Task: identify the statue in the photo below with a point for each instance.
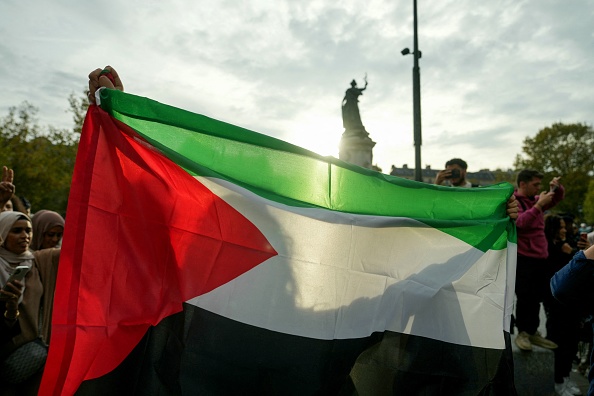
(355, 145)
(351, 118)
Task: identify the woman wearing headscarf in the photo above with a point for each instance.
(27, 304)
(563, 323)
(573, 285)
(48, 228)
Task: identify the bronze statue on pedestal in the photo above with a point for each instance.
(351, 117)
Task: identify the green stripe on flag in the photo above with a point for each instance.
(294, 176)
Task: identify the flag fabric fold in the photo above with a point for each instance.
(171, 209)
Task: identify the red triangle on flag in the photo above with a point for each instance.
(142, 236)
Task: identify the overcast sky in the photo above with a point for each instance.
(492, 72)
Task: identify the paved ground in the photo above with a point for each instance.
(534, 372)
(580, 380)
(538, 368)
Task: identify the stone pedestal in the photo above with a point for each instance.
(356, 147)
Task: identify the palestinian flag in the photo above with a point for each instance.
(204, 258)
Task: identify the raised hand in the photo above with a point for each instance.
(106, 77)
(554, 183)
(544, 199)
(6, 186)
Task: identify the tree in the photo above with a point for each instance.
(504, 176)
(78, 107)
(562, 150)
(589, 204)
(42, 158)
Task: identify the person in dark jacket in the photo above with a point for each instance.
(563, 323)
(573, 285)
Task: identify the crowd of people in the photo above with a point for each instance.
(547, 242)
(31, 245)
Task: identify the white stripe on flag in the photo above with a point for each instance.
(340, 276)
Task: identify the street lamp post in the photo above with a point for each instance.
(416, 96)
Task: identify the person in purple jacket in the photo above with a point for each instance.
(573, 285)
(531, 274)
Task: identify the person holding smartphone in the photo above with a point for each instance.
(26, 298)
(454, 174)
(532, 278)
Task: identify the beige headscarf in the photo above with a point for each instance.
(39, 286)
(43, 221)
(8, 259)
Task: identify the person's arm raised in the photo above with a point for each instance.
(7, 189)
(107, 77)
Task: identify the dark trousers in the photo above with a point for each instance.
(563, 328)
(532, 285)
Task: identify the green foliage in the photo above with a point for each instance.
(589, 204)
(78, 106)
(42, 158)
(504, 176)
(564, 150)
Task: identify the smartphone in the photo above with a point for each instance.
(584, 236)
(18, 274)
(454, 175)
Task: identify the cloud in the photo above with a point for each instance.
(491, 73)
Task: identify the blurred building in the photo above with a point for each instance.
(483, 177)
